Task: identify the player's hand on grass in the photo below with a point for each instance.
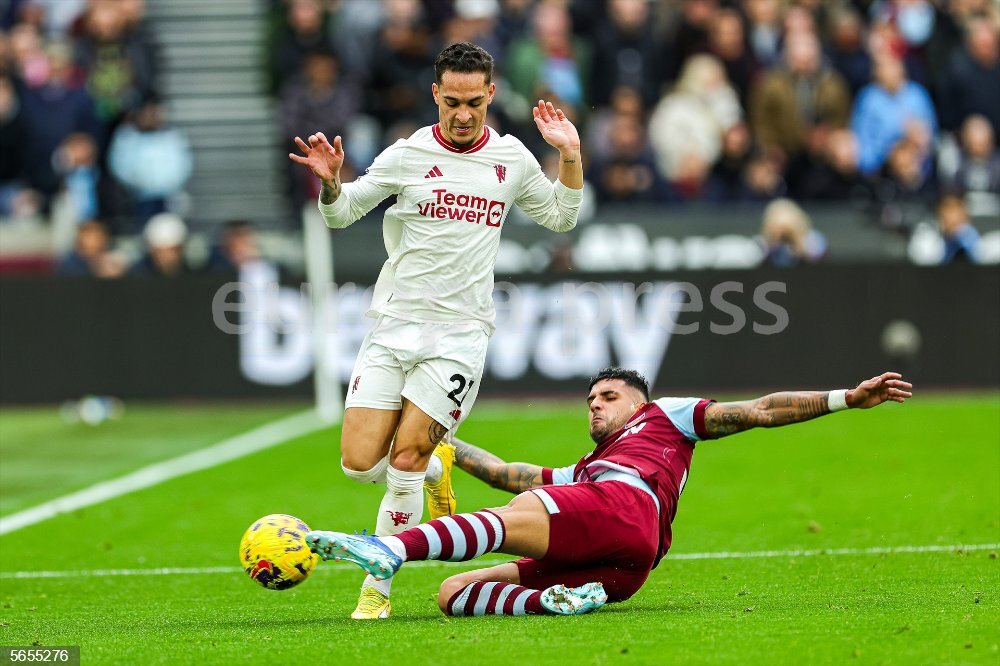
(875, 391)
(555, 127)
(322, 158)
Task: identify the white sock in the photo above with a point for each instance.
(395, 545)
(402, 507)
(434, 470)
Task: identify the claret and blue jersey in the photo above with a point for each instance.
(652, 452)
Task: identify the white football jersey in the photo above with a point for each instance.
(443, 232)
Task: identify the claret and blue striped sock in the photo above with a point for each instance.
(492, 598)
(457, 538)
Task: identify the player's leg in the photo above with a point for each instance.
(365, 439)
(372, 408)
(372, 415)
(520, 528)
(498, 591)
(444, 385)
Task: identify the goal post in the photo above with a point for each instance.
(318, 254)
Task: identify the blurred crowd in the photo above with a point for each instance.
(83, 131)
(890, 105)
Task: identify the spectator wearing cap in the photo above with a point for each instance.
(164, 235)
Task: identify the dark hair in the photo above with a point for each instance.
(630, 377)
(464, 57)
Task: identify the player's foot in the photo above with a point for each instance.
(562, 600)
(368, 552)
(440, 495)
(372, 605)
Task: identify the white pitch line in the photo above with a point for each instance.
(876, 550)
(233, 448)
(197, 571)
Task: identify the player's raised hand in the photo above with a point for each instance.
(322, 158)
(875, 391)
(555, 127)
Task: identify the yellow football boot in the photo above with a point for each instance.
(440, 495)
(372, 605)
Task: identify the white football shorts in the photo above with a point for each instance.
(438, 367)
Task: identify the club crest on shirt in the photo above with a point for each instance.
(501, 172)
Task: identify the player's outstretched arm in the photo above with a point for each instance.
(324, 160)
(778, 409)
(513, 477)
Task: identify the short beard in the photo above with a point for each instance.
(600, 434)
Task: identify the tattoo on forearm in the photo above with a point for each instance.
(330, 193)
(513, 477)
(777, 409)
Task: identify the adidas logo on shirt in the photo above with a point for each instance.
(434, 173)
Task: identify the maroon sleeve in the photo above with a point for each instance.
(546, 476)
(699, 419)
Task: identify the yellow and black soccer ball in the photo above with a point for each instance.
(274, 553)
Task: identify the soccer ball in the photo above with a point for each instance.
(274, 553)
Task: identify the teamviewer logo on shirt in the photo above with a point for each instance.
(467, 207)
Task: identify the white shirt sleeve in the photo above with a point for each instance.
(680, 411)
(550, 204)
(562, 475)
(380, 181)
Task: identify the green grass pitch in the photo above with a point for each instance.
(923, 474)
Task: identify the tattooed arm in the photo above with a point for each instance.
(512, 477)
(780, 409)
(330, 191)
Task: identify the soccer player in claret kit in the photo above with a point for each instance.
(590, 532)
(419, 370)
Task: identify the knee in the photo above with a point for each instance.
(449, 588)
(409, 459)
(363, 470)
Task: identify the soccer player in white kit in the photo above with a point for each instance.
(418, 371)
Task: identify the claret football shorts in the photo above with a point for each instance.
(605, 531)
(438, 367)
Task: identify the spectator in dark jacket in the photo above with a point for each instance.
(974, 80)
